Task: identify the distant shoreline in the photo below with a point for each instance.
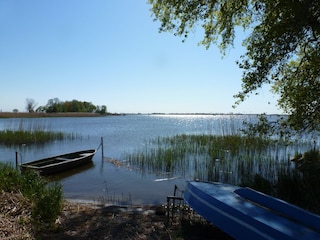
(86, 114)
(42, 115)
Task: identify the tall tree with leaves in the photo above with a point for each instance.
(282, 47)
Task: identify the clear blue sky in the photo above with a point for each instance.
(111, 53)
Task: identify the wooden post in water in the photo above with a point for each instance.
(17, 163)
(102, 150)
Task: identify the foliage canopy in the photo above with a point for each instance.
(54, 105)
(282, 47)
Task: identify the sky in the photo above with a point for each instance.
(111, 53)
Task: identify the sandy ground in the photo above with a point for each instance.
(89, 221)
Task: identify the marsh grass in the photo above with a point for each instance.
(301, 185)
(45, 198)
(261, 163)
(30, 133)
(9, 137)
(212, 158)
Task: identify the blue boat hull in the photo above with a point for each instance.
(247, 214)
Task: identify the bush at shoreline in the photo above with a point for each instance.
(45, 199)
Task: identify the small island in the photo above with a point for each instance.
(57, 108)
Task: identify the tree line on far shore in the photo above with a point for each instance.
(55, 105)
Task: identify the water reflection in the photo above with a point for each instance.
(70, 173)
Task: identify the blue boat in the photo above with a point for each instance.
(244, 213)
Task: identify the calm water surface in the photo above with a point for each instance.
(122, 134)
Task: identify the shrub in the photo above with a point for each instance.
(45, 198)
(48, 204)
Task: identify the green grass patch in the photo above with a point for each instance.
(46, 199)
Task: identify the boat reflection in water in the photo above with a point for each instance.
(71, 172)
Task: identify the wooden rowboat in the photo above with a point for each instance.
(60, 163)
(244, 213)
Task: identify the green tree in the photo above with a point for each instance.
(102, 109)
(53, 105)
(282, 47)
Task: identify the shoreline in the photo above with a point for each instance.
(80, 220)
(48, 115)
(84, 221)
(86, 114)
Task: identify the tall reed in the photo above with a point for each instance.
(208, 157)
(235, 159)
(31, 133)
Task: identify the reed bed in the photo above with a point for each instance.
(264, 164)
(230, 158)
(30, 133)
(9, 137)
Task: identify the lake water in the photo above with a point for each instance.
(103, 181)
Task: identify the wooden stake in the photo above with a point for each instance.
(17, 163)
(102, 150)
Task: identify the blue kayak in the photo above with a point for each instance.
(244, 213)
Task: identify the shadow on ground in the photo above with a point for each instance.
(80, 221)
